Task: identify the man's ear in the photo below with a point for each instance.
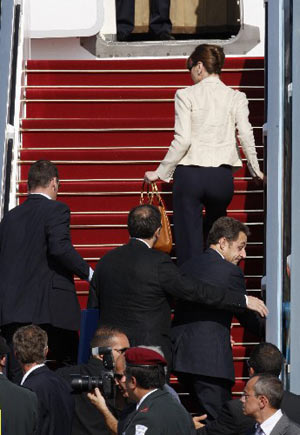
(263, 402)
(132, 382)
(222, 242)
(3, 360)
(46, 350)
(157, 232)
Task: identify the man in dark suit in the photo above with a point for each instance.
(202, 354)
(37, 263)
(265, 358)
(261, 400)
(19, 406)
(56, 404)
(87, 419)
(133, 286)
(160, 25)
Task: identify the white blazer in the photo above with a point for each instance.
(207, 116)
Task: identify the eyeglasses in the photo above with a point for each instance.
(120, 351)
(247, 395)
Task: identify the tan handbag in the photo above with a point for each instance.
(164, 242)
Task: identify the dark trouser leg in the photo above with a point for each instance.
(187, 209)
(63, 345)
(125, 16)
(210, 393)
(160, 17)
(219, 191)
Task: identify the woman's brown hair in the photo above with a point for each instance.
(212, 57)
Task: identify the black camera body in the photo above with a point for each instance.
(105, 381)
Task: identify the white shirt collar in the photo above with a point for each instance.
(268, 425)
(142, 240)
(39, 193)
(144, 397)
(30, 371)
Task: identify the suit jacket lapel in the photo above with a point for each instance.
(281, 426)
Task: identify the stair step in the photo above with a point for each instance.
(115, 93)
(93, 218)
(84, 72)
(102, 132)
(97, 186)
(51, 107)
(111, 90)
(135, 64)
(119, 201)
(108, 169)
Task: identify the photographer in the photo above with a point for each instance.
(153, 410)
(87, 420)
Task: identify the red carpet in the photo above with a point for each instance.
(104, 123)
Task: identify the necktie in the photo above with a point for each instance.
(258, 430)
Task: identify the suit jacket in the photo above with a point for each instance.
(56, 404)
(201, 334)
(19, 409)
(232, 420)
(160, 413)
(133, 287)
(87, 419)
(206, 117)
(285, 427)
(37, 263)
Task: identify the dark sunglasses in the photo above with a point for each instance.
(118, 376)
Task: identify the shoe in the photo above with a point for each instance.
(165, 36)
(123, 37)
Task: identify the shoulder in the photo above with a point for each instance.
(160, 401)
(58, 205)
(17, 390)
(185, 95)
(292, 428)
(240, 97)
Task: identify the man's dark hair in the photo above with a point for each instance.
(103, 336)
(143, 221)
(271, 387)
(266, 358)
(40, 174)
(147, 377)
(226, 227)
(30, 343)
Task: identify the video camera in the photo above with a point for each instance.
(105, 381)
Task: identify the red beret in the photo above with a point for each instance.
(140, 356)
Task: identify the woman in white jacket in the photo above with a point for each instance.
(204, 152)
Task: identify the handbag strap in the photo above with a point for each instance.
(151, 194)
(156, 193)
(146, 192)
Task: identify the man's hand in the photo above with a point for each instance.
(256, 304)
(197, 420)
(98, 400)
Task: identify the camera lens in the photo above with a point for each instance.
(86, 383)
